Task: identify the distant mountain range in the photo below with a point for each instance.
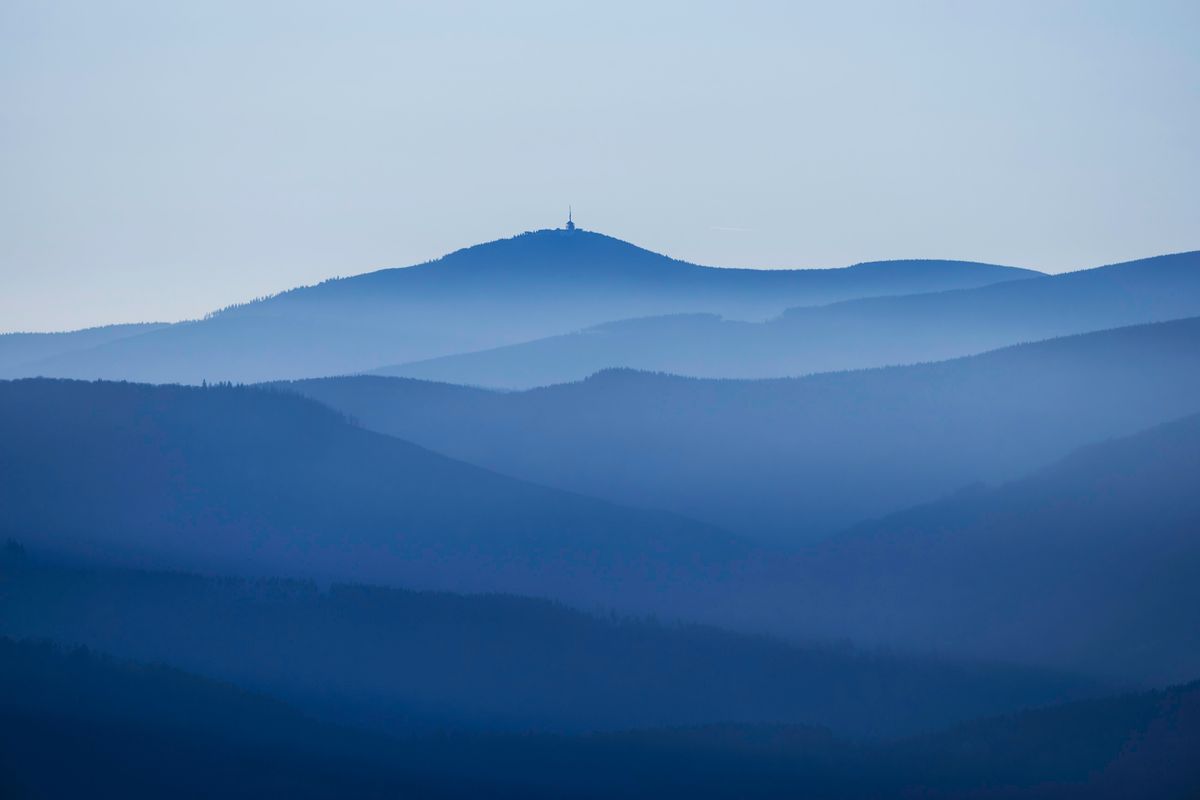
(791, 460)
(470, 528)
(1065, 566)
(852, 334)
(530, 286)
(19, 349)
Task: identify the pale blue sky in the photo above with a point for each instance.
(160, 159)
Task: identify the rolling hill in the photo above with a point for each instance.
(530, 286)
(853, 334)
(20, 349)
(253, 481)
(792, 460)
(403, 661)
(1087, 564)
(134, 731)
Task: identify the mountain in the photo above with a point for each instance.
(404, 661)
(20, 349)
(790, 460)
(75, 723)
(256, 481)
(533, 285)
(1091, 561)
(854, 334)
(1086, 565)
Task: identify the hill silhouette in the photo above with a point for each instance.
(20, 349)
(853, 334)
(405, 661)
(76, 723)
(791, 460)
(256, 481)
(530, 286)
(1087, 564)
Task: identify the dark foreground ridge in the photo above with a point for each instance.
(141, 732)
(400, 660)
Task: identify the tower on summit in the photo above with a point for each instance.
(570, 221)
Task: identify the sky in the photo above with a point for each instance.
(160, 160)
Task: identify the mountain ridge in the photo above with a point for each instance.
(1090, 557)
(21, 347)
(503, 292)
(396, 656)
(738, 453)
(103, 716)
(846, 334)
(254, 481)
(557, 240)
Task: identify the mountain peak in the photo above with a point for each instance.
(554, 249)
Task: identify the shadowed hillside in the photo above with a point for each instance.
(1062, 571)
(134, 731)
(791, 460)
(256, 481)
(402, 661)
(533, 285)
(1088, 564)
(851, 335)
